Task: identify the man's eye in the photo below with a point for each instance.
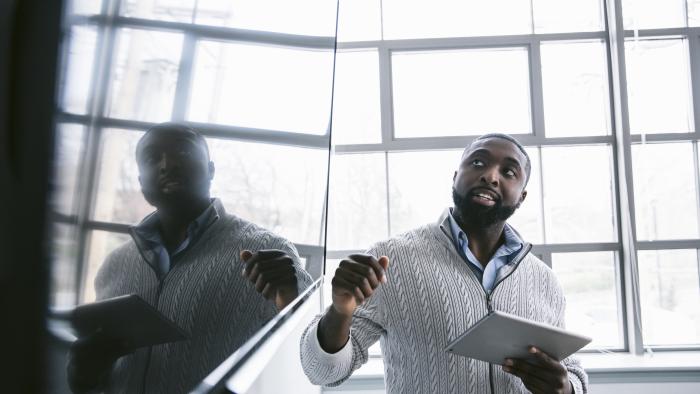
(477, 163)
(510, 173)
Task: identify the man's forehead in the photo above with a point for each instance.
(494, 146)
(160, 138)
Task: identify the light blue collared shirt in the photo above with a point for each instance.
(504, 253)
(148, 231)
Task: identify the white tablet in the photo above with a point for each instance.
(500, 335)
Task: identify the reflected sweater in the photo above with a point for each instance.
(204, 293)
(431, 297)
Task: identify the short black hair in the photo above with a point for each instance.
(508, 138)
(173, 127)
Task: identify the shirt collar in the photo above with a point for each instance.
(512, 243)
(148, 228)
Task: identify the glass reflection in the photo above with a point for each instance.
(217, 225)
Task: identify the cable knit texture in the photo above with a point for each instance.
(432, 297)
(204, 294)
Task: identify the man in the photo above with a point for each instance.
(198, 265)
(418, 291)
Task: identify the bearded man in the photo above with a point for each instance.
(442, 279)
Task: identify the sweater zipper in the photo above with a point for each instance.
(489, 305)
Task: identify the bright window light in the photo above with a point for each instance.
(575, 87)
(258, 86)
(559, 16)
(145, 75)
(589, 282)
(658, 86)
(577, 190)
(670, 297)
(665, 196)
(461, 92)
(454, 18)
(79, 65)
(356, 111)
(653, 14)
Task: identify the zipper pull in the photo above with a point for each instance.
(488, 303)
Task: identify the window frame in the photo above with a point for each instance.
(95, 119)
(620, 141)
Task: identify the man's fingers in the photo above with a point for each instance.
(254, 268)
(270, 289)
(274, 277)
(245, 255)
(343, 286)
(545, 358)
(531, 380)
(359, 281)
(365, 271)
(379, 266)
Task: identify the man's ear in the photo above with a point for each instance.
(522, 197)
(212, 170)
(454, 177)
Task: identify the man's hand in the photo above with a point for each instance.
(273, 274)
(355, 280)
(90, 360)
(543, 374)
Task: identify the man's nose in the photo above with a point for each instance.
(165, 162)
(490, 176)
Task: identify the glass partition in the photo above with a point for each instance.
(192, 165)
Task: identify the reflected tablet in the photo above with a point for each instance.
(500, 335)
(128, 318)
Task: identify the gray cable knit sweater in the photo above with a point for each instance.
(204, 293)
(431, 297)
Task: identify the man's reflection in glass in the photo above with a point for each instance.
(215, 275)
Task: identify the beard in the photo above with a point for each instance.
(185, 197)
(482, 216)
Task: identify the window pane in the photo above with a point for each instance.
(166, 10)
(556, 16)
(357, 216)
(578, 204)
(575, 88)
(102, 243)
(420, 187)
(658, 86)
(359, 20)
(77, 76)
(145, 75)
(86, 7)
(527, 220)
(670, 295)
(653, 14)
(119, 197)
(693, 13)
(304, 17)
(665, 198)
(589, 284)
(68, 155)
(433, 95)
(64, 263)
(259, 86)
(280, 188)
(455, 18)
(356, 112)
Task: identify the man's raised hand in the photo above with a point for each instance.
(273, 274)
(356, 279)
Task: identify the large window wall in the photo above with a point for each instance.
(603, 94)
(255, 78)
